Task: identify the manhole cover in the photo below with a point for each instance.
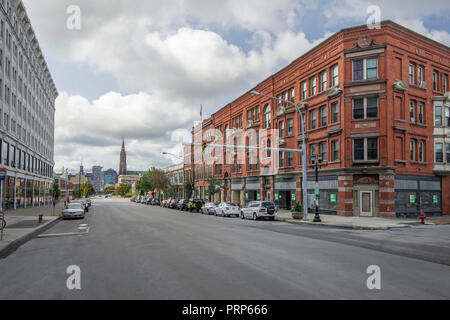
(25, 224)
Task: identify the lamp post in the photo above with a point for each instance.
(317, 159)
(303, 151)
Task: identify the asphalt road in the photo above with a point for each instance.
(134, 251)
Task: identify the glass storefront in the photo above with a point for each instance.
(20, 193)
(29, 193)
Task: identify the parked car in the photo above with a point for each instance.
(83, 203)
(173, 203)
(182, 204)
(209, 208)
(88, 201)
(133, 199)
(195, 204)
(226, 209)
(259, 209)
(73, 210)
(155, 202)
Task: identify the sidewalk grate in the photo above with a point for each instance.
(26, 224)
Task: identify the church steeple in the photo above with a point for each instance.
(123, 159)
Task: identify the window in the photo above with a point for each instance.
(281, 129)
(292, 95)
(420, 113)
(267, 116)
(313, 119)
(444, 82)
(438, 116)
(335, 75)
(281, 159)
(411, 73)
(323, 151)
(358, 70)
(365, 108)
(447, 116)
(411, 111)
(412, 149)
(335, 150)
(312, 152)
(435, 81)
(420, 75)
(365, 69)
(323, 81)
(365, 149)
(335, 112)
(447, 147)
(438, 153)
(291, 159)
(290, 123)
(421, 149)
(323, 116)
(313, 85)
(304, 92)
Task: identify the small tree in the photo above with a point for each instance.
(87, 189)
(123, 189)
(188, 189)
(213, 186)
(56, 190)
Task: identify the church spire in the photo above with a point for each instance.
(123, 159)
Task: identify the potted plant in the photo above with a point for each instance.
(297, 210)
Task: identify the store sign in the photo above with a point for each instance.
(242, 196)
(333, 197)
(2, 174)
(293, 197)
(258, 196)
(246, 195)
(435, 199)
(276, 196)
(412, 198)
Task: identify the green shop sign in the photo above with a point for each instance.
(333, 197)
(293, 197)
(412, 198)
(276, 196)
(435, 199)
(258, 196)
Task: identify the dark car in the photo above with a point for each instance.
(155, 202)
(195, 205)
(182, 204)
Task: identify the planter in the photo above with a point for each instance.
(297, 215)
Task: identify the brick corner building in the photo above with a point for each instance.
(377, 109)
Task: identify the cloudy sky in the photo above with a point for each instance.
(141, 69)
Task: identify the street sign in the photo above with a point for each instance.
(2, 174)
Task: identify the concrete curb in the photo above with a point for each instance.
(308, 223)
(15, 244)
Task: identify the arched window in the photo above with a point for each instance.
(267, 116)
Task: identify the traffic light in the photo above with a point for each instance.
(203, 145)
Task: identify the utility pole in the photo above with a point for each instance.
(316, 191)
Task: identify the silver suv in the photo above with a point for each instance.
(259, 209)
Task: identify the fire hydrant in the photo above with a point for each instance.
(422, 217)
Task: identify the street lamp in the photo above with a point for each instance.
(304, 172)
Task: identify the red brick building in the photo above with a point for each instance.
(377, 109)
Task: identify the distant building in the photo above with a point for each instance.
(175, 175)
(110, 177)
(97, 178)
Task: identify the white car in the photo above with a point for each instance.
(209, 208)
(259, 209)
(73, 210)
(226, 209)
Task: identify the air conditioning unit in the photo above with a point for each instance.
(423, 84)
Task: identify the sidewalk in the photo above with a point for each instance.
(363, 223)
(23, 224)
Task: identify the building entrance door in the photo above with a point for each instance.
(366, 203)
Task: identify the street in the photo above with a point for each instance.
(135, 251)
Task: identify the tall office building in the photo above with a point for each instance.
(97, 177)
(27, 111)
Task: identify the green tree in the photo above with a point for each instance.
(214, 185)
(188, 190)
(87, 189)
(56, 190)
(109, 190)
(123, 189)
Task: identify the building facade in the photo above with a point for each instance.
(27, 112)
(110, 177)
(175, 175)
(97, 178)
(376, 105)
